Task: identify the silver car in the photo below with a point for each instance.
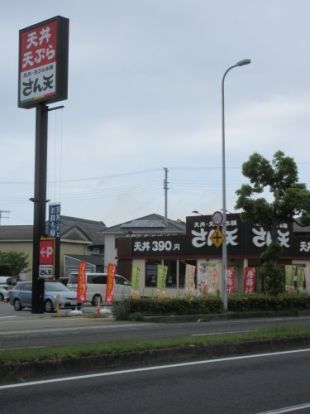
(21, 296)
(4, 293)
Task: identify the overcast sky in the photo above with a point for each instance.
(145, 93)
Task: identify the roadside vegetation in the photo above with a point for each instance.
(136, 345)
(137, 309)
(285, 200)
(12, 263)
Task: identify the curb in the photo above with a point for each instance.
(225, 316)
(20, 372)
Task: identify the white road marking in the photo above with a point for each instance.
(146, 369)
(7, 317)
(16, 348)
(71, 329)
(291, 409)
(223, 332)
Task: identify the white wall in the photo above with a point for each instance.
(110, 251)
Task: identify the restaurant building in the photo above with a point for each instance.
(196, 250)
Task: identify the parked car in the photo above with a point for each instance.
(96, 286)
(7, 280)
(64, 280)
(21, 296)
(4, 293)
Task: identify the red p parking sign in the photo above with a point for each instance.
(47, 251)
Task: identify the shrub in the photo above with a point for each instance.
(260, 302)
(167, 306)
(136, 316)
(121, 310)
(136, 309)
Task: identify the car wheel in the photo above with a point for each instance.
(17, 305)
(96, 300)
(1, 297)
(48, 306)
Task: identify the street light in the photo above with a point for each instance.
(224, 245)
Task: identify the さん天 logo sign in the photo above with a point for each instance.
(43, 62)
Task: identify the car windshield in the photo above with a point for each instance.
(73, 279)
(55, 287)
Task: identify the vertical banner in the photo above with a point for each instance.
(161, 276)
(230, 279)
(295, 278)
(249, 280)
(54, 220)
(135, 279)
(202, 277)
(300, 278)
(54, 231)
(208, 277)
(109, 293)
(190, 279)
(307, 279)
(81, 285)
(289, 278)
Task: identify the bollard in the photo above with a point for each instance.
(57, 303)
(98, 307)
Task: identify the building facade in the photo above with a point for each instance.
(78, 238)
(196, 247)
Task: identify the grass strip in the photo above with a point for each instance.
(121, 346)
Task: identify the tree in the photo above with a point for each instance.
(12, 263)
(289, 200)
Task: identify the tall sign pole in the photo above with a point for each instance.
(42, 79)
(39, 201)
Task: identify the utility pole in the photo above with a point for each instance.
(166, 193)
(2, 212)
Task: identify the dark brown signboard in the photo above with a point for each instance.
(43, 62)
(244, 239)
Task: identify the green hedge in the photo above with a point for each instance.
(255, 302)
(136, 308)
(167, 306)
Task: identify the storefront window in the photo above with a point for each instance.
(171, 281)
(175, 273)
(151, 273)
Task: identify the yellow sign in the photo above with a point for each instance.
(217, 237)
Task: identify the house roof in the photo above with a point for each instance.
(72, 228)
(16, 233)
(92, 259)
(150, 224)
(90, 228)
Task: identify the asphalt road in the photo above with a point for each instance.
(20, 329)
(244, 384)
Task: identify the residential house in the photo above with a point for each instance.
(79, 237)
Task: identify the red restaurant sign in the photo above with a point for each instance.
(43, 62)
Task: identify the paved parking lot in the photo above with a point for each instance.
(7, 310)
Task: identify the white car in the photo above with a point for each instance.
(4, 293)
(96, 287)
